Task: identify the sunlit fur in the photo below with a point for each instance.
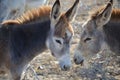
(35, 15)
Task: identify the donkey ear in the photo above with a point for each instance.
(72, 11)
(105, 15)
(56, 10)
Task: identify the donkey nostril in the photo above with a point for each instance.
(75, 60)
(66, 68)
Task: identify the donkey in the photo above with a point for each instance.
(19, 44)
(103, 27)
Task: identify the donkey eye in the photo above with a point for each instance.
(58, 41)
(87, 39)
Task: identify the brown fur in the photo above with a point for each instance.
(114, 17)
(95, 13)
(62, 26)
(37, 14)
(10, 22)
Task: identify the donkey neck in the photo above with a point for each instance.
(28, 40)
(112, 31)
(112, 35)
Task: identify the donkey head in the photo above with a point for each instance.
(92, 36)
(61, 33)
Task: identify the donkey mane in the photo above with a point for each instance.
(42, 13)
(114, 17)
(35, 15)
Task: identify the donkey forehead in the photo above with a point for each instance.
(89, 25)
(63, 28)
(90, 29)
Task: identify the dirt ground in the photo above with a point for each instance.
(45, 66)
